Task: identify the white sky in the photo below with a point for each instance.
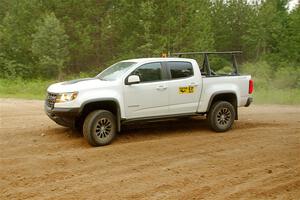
(292, 4)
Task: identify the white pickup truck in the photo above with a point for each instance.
(148, 89)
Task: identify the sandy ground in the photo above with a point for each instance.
(180, 159)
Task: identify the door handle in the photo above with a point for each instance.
(161, 87)
(193, 84)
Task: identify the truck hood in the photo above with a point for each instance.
(78, 85)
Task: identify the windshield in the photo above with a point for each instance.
(115, 71)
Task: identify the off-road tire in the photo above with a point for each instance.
(100, 128)
(221, 116)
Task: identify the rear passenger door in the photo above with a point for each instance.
(184, 88)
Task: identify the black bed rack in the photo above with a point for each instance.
(206, 65)
(206, 52)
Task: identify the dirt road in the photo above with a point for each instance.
(180, 159)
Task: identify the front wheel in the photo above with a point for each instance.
(99, 127)
(221, 116)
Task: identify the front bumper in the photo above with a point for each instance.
(249, 101)
(63, 116)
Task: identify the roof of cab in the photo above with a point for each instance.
(142, 60)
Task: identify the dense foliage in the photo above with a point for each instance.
(48, 38)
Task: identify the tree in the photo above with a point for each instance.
(290, 43)
(50, 46)
(198, 30)
(268, 29)
(232, 20)
(34, 43)
(147, 12)
(16, 28)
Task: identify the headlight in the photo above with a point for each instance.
(65, 97)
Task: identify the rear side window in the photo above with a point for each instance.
(180, 69)
(149, 72)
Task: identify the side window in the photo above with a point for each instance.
(149, 72)
(180, 69)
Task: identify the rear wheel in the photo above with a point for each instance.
(221, 116)
(99, 127)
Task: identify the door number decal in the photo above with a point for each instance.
(186, 90)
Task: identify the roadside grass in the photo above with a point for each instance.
(24, 89)
(277, 96)
(36, 89)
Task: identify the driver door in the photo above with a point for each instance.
(149, 97)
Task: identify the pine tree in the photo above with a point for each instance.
(146, 35)
(290, 42)
(16, 28)
(49, 45)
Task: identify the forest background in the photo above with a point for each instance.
(44, 41)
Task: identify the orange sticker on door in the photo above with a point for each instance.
(186, 90)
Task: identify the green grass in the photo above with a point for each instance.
(277, 96)
(36, 89)
(24, 89)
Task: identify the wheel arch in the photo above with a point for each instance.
(109, 104)
(229, 96)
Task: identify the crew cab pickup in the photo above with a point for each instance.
(148, 89)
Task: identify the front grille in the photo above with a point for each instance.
(50, 100)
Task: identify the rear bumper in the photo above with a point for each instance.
(63, 116)
(249, 101)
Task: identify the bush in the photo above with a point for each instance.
(288, 77)
(265, 78)
(261, 73)
(11, 69)
(218, 63)
(225, 70)
(281, 86)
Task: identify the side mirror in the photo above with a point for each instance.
(133, 79)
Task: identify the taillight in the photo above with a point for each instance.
(251, 86)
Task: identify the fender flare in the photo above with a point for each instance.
(118, 114)
(220, 93)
